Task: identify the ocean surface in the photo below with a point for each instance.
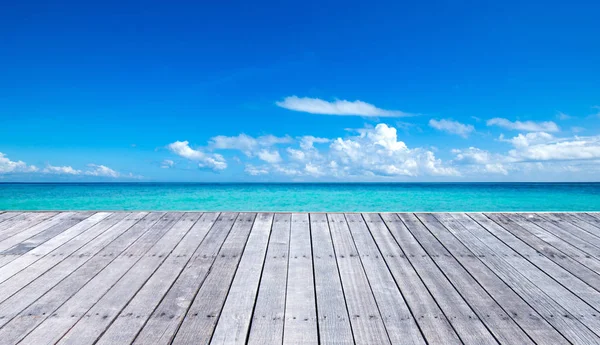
(331, 197)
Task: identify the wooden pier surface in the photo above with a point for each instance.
(299, 278)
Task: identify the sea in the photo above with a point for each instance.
(303, 197)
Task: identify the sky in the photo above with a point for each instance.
(276, 91)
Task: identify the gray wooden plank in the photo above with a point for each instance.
(572, 218)
(52, 329)
(62, 221)
(201, 318)
(398, 319)
(448, 247)
(55, 231)
(565, 231)
(508, 245)
(590, 218)
(545, 274)
(269, 310)
(94, 322)
(234, 322)
(8, 215)
(425, 247)
(334, 321)
(30, 306)
(424, 285)
(132, 318)
(164, 321)
(22, 222)
(564, 259)
(63, 241)
(517, 223)
(365, 317)
(568, 324)
(431, 320)
(13, 280)
(300, 323)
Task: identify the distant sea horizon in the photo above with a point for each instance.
(303, 196)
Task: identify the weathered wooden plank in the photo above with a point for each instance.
(397, 317)
(165, 320)
(52, 329)
(133, 317)
(13, 280)
(199, 324)
(422, 275)
(95, 321)
(590, 218)
(300, 325)
(517, 223)
(432, 322)
(508, 245)
(234, 322)
(499, 323)
(22, 222)
(269, 311)
(570, 218)
(546, 274)
(567, 232)
(334, 321)
(563, 259)
(63, 241)
(449, 247)
(8, 215)
(568, 324)
(62, 221)
(365, 317)
(65, 279)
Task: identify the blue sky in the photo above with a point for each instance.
(299, 91)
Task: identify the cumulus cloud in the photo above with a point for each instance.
(452, 127)
(256, 171)
(101, 170)
(9, 166)
(337, 107)
(210, 160)
(578, 148)
(373, 152)
(527, 126)
(167, 163)
(61, 170)
(480, 161)
(269, 156)
(247, 144)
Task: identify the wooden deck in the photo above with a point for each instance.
(280, 278)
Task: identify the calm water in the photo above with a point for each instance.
(305, 197)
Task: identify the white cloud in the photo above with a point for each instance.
(269, 156)
(61, 170)
(480, 161)
(524, 140)
(8, 166)
(255, 171)
(373, 152)
(183, 149)
(337, 107)
(577, 148)
(247, 144)
(452, 127)
(562, 116)
(528, 126)
(101, 170)
(167, 163)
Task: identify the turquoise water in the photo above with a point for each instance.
(304, 197)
